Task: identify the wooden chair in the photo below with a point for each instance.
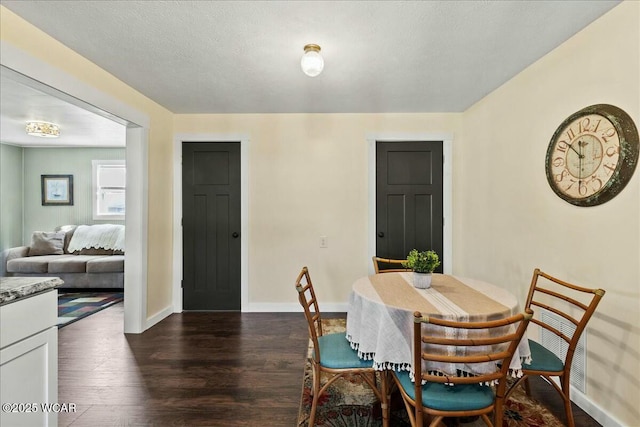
(332, 353)
(573, 303)
(460, 395)
(387, 265)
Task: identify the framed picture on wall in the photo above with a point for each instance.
(57, 190)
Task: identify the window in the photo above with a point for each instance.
(109, 188)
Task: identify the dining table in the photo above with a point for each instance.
(380, 316)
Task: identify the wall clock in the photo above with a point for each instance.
(592, 155)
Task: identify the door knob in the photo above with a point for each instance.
(235, 235)
(380, 234)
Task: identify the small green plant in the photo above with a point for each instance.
(422, 262)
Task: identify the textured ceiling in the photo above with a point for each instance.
(380, 56)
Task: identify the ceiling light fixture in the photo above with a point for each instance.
(312, 62)
(43, 129)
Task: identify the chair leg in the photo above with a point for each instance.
(488, 422)
(315, 394)
(497, 414)
(564, 380)
(435, 421)
(386, 398)
(411, 413)
(513, 386)
(527, 387)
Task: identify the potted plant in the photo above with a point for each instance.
(422, 263)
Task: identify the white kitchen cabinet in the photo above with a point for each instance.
(29, 360)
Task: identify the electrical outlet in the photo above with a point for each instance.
(324, 243)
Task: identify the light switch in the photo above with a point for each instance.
(324, 242)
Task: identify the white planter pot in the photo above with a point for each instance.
(421, 280)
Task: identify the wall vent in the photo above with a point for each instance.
(559, 346)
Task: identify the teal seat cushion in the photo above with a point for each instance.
(460, 397)
(336, 353)
(543, 359)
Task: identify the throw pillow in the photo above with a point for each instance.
(68, 230)
(46, 243)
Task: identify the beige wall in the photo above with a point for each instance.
(509, 221)
(308, 177)
(19, 33)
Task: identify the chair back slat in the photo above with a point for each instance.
(551, 329)
(388, 265)
(564, 297)
(480, 358)
(467, 325)
(488, 378)
(471, 342)
(556, 311)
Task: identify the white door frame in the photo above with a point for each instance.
(177, 212)
(72, 90)
(447, 189)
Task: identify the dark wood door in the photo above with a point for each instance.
(409, 198)
(211, 226)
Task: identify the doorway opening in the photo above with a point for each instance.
(59, 84)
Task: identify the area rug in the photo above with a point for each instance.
(349, 402)
(73, 306)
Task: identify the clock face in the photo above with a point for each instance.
(592, 155)
(585, 156)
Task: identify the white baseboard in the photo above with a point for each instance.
(590, 407)
(163, 314)
(595, 411)
(292, 308)
(261, 307)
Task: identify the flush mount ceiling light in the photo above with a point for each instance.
(312, 62)
(43, 129)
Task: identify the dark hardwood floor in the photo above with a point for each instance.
(195, 369)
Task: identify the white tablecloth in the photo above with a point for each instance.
(381, 307)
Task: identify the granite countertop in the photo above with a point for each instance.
(14, 288)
